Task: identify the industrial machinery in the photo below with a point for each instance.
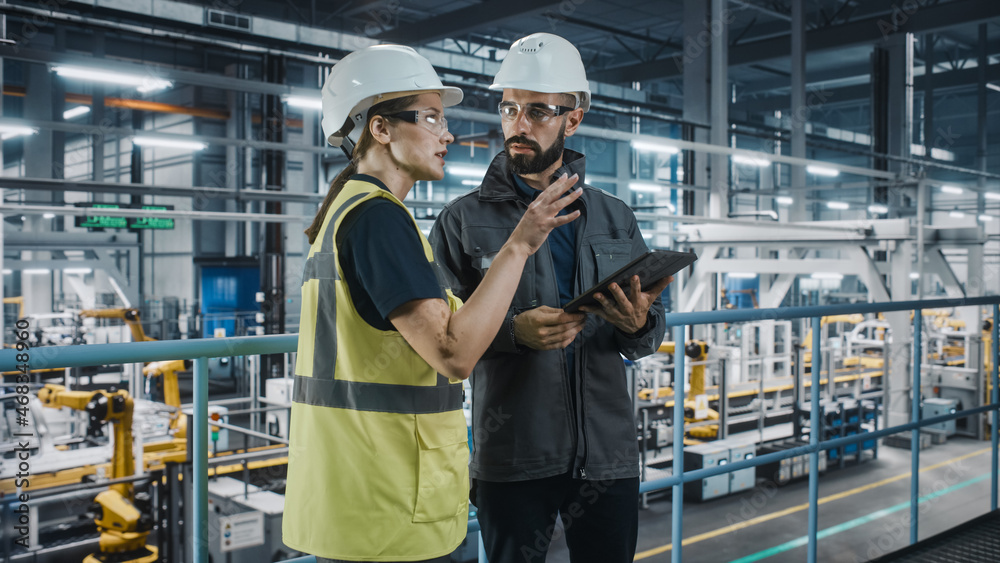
(121, 515)
(130, 316)
(167, 370)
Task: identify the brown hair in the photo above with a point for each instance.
(365, 143)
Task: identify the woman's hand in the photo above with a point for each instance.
(541, 216)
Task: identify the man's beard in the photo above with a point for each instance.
(538, 161)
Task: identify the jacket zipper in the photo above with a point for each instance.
(562, 356)
(580, 353)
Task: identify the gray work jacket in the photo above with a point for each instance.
(525, 423)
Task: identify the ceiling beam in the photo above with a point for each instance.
(869, 31)
(941, 81)
(457, 23)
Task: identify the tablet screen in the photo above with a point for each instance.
(650, 267)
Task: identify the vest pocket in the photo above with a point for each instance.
(442, 473)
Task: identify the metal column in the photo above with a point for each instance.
(918, 323)
(995, 398)
(719, 29)
(677, 465)
(273, 246)
(199, 486)
(814, 424)
(800, 111)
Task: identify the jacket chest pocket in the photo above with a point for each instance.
(610, 256)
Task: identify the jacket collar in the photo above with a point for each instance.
(498, 184)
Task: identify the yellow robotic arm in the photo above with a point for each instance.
(130, 316)
(171, 391)
(123, 525)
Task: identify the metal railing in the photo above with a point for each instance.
(202, 350)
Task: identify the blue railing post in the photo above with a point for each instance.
(677, 465)
(814, 424)
(199, 485)
(918, 324)
(995, 398)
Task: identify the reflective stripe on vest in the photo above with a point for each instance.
(378, 397)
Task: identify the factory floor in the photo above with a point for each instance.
(864, 511)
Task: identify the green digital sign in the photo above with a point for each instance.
(101, 221)
(93, 220)
(151, 222)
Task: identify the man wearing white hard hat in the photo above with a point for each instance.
(553, 432)
(377, 453)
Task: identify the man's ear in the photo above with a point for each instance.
(379, 128)
(573, 120)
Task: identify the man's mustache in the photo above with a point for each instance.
(519, 140)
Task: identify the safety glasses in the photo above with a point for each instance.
(428, 119)
(536, 112)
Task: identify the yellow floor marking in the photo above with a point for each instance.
(791, 510)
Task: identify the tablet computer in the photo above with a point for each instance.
(650, 267)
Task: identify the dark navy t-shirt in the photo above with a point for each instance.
(562, 247)
(383, 259)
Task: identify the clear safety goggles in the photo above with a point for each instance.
(536, 112)
(428, 119)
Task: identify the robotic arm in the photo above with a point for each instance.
(122, 517)
(130, 316)
(171, 392)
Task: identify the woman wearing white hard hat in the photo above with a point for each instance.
(377, 467)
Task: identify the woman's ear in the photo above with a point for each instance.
(379, 128)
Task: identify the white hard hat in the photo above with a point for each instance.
(542, 62)
(372, 75)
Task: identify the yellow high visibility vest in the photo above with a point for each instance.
(378, 454)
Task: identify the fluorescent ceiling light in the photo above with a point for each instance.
(11, 131)
(304, 102)
(471, 182)
(823, 171)
(784, 200)
(144, 84)
(956, 214)
(842, 206)
(73, 113)
(992, 195)
(77, 270)
(751, 160)
(48, 216)
(7, 271)
(914, 276)
(466, 171)
(993, 86)
(827, 276)
(647, 236)
(169, 143)
(742, 275)
(985, 218)
(35, 271)
(654, 147)
(952, 190)
(876, 208)
(645, 187)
